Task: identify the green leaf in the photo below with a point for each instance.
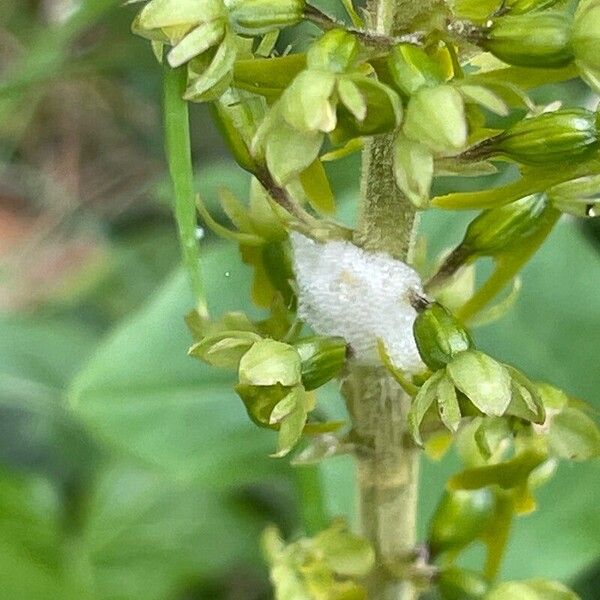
(534, 589)
(224, 349)
(483, 380)
(509, 474)
(484, 97)
(270, 363)
(573, 435)
(289, 152)
(142, 394)
(293, 423)
(316, 186)
(144, 535)
(421, 404)
(30, 540)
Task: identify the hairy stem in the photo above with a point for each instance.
(388, 472)
(388, 465)
(179, 154)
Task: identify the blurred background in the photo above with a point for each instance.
(159, 488)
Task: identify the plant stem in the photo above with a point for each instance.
(388, 472)
(179, 154)
(312, 500)
(388, 465)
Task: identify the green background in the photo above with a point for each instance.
(127, 469)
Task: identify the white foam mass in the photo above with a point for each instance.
(361, 296)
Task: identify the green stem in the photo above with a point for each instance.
(388, 465)
(312, 501)
(179, 154)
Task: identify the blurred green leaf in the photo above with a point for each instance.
(142, 394)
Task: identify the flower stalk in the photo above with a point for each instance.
(179, 155)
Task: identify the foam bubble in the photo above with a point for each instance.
(358, 295)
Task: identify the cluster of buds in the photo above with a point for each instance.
(464, 380)
(559, 37)
(204, 35)
(275, 379)
(328, 566)
(332, 96)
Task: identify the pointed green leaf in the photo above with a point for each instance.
(292, 425)
(421, 404)
(485, 97)
(196, 42)
(316, 185)
(352, 98)
(224, 349)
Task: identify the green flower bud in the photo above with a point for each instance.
(460, 518)
(554, 137)
(460, 584)
(440, 336)
(578, 197)
(436, 117)
(496, 230)
(530, 40)
(411, 68)
(585, 39)
(519, 7)
(322, 359)
(257, 17)
(336, 52)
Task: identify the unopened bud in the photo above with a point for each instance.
(335, 51)
(322, 359)
(585, 41)
(553, 137)
(497, 229)
(411, 68)
(439, 336)
(539, 39)
(257, 17)
(578, 197)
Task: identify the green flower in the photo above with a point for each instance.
(465, 380)
(191, 27)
